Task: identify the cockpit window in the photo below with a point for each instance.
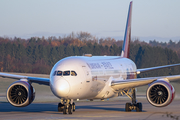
(73, 73)
(55, 73)
(59, 73)
(66, 73)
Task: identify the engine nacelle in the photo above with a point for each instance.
(20, 94)
(160, 93)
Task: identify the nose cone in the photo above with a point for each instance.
(60, 87)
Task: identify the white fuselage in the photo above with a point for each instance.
(82, 77)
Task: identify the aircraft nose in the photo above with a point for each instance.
(62, 87)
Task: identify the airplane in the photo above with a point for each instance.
(95, 77)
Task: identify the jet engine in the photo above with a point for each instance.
(160, 93)
(20, 94)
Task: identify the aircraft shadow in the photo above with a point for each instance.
(52, 107)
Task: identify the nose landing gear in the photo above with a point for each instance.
(66, 106)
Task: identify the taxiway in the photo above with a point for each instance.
(111, 109)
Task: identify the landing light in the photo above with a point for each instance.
(88, 55)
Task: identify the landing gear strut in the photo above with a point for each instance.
(66, 106)
(134, 105)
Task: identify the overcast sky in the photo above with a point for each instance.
(151, 19)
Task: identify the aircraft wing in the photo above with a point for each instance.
(131, 83)
(44, 81)
(155, 68)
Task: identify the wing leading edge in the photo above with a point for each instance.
(155, 68)
(131, 83)
(43, 81)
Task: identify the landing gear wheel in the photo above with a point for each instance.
(67, 106)
(139, 107)
(73, 107)
(127, 107)
(131, 93)
(70, 109)
(65, 110)
(60, 107)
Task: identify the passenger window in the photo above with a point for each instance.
(73, 73)
(59, 73)
(66, 73)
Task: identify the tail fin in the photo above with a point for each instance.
(127, 35)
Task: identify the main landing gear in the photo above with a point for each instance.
(66, 106)
(132, 106)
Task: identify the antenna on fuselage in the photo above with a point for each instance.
(127, 35)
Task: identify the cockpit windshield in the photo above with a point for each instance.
(55, 72)
(65, 73)
(59, 73)
(73, 73)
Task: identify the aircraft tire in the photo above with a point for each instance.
(139, 107)
(65, 110)
(127, 107)
(73, 107)
(70, 109)
(60, 107)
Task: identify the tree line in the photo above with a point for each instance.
(175, 46)
(38, 55)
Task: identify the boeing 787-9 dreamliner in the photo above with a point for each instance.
(95, 77)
